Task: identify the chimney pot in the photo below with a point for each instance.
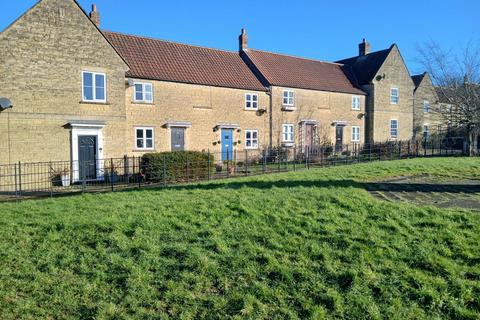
(364, 48)
(243, 40)
(94, 15)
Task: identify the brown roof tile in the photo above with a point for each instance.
(294, 72)
(168, 61)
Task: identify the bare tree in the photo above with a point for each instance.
(456, 77)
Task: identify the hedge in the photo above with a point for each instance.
(176, 165)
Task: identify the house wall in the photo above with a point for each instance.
(42, 56)
(433, 118)
(393, 73)
(322, 106)
(204, 106)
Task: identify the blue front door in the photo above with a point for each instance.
(227, 144)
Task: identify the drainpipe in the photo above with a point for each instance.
(270, 118)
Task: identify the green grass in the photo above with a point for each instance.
(299, 245)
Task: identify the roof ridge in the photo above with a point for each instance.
(356, 57)
(296, 57)
(167, 41)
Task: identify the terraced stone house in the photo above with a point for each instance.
(81, 93)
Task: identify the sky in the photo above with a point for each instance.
(322, 29)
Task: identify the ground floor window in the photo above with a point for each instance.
(355, 133)
(393, 129)
(251, 139)
(144, 138)
(287, 133)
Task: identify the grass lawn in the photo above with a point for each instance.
(299, 245)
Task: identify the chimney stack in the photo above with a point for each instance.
(95, 16)
(364, 48)
(243, 40)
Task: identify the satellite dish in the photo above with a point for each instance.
(5, 104)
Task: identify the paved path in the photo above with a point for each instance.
(424, 190)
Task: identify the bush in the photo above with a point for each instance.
(177, 166)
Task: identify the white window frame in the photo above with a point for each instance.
(253, 103)
(94, 91)
(252, 146)
(394, 98)
(143, 84)
(391, 129)
(285, 133)
(144, 138)
(426, 104)
(355, 135)
(290, 98)
(356, 103)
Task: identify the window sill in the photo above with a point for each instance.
(251, 148)
(251, 109)
(143, 150)
(143, 103)
(288, 108)
(106, 103)
(288, 144)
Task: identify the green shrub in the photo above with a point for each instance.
(176, 166)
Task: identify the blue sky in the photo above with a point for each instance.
(325, 30)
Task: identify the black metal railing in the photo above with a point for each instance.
(26, 180)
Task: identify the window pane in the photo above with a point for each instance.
(249, 135)
(149, 143)
(248, 97)
(100, 81)
(138, 96)
(139, 133)
(148, 96)
(88, 79)
(249, 105)
(255, 97)
(255, 134)
(140, 143)
(99, 93)
(88, 93)
(148, 88)
(149, 133)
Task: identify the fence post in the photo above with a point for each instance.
(306, 157)
(295, 158)
(126, 169)
(228, 167)
(164, 171)
(400, 150)
(246, 162)
(187, 167)
(209, 165)
(111, 172)
(370, 151)
(16, 181)
(278, 159)
(139, 172)
(19, 179)
(264, 166)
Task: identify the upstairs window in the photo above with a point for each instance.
(94, 88)
(394, 96)
(287, 133)
(426, 106)
(355, 103)
(144, 138)
(288, 98)
(251, 139)
(355, 134)
(143, 92)
(251, 101)
(394, 129)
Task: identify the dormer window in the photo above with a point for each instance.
(93, 87)
(143, 92)
(394, 96)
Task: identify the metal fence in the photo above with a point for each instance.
(43, 179)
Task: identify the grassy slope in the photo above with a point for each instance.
(295, 245)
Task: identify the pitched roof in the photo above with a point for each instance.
(417, 79)
(366, 67)
(169, 61)
(294, 72)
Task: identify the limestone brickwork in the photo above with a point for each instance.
(325, 108)
(392, 74)
(433, 118)
(42, 56)
(204, 107)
